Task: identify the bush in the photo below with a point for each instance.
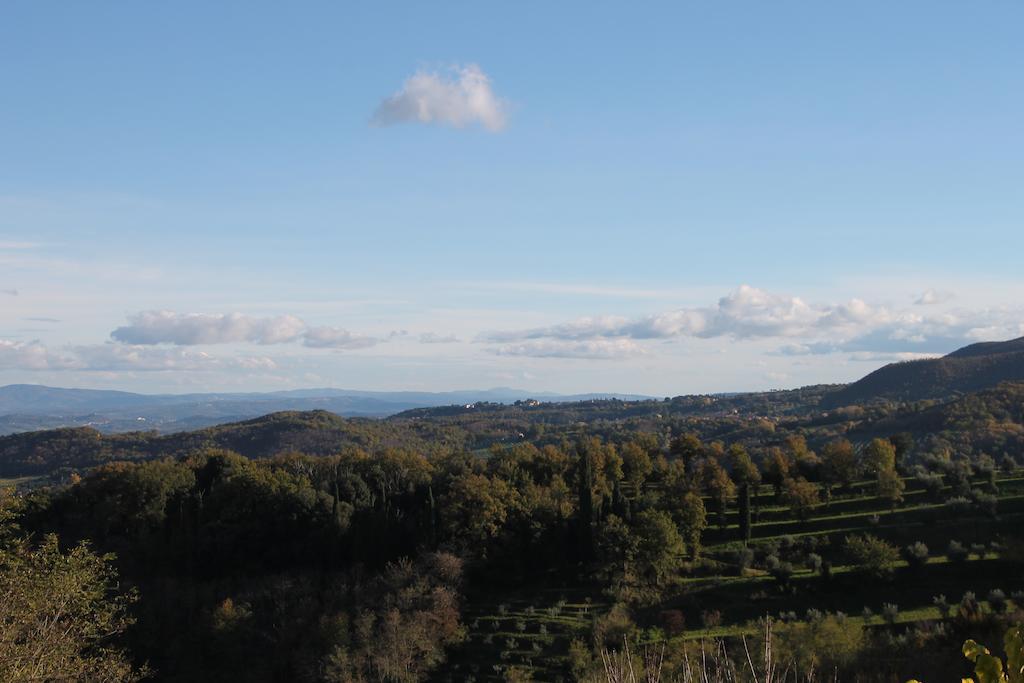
(916, 555)
(871, 555)
(711, 618)
(821, 645)
(814, 562)
(673, 621)
(943, 605)
(890, 612)
(956, 552)
(969, 609)
(997, 601)
(782, 574)
(744, 558)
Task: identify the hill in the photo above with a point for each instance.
(314, 433)
(972, 368)
(28, 407)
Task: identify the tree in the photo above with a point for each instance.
(880, 459)
(801, 496)
(890, 487)
(776, 469)
(659, 549)
(693, 519)
(60, 614)
(871, 555)
(838, 464)
(636, 466)
(747, 476)
(719, 486)
(879, 455)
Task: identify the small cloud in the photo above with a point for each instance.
(459, 98)
(42, 320)
(932, 297)
(432, 338)
(335, 338)
(601, 349)
(9, 292)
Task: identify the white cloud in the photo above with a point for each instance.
(931, 297)
(335, 338)
(193, 329)
(185, 329)
(433, 338)
(459, 98)
(37, 356)
(598, 349)
(750, 314)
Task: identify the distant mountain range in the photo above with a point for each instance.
(972, 368)
(28, 407)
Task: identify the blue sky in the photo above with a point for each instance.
(660, 198)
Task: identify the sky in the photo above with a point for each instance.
(656, 198)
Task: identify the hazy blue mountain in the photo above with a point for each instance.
(26, 407)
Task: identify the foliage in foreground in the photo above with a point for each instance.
(59, 614)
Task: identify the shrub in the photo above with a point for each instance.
(997, 601)
(871, 555)
(711, 618)
(744, 558)
(969, 609)
(979, 550)
(943, 605)
(958, 506)
(673, 621)
(782, 574)
(867, 613)
(890, 612)
(821, 645)
(814, 562)
(916, 555)
(521, 625)
(956, 552)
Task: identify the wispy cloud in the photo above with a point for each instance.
(460, 97)
(36, 356)
(932, 297)
(335, 338)
(595, 349)
(433, 338)
(195, 329)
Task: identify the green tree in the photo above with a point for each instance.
(871, 555)
(747, 477)
(692, 518)
(719, 486)
(60, 613)
(659, 549)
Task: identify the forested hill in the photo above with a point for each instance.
(313, 433)
(972, 368)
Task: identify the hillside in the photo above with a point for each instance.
(972, 368)
(29, 407)
(313, 433)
